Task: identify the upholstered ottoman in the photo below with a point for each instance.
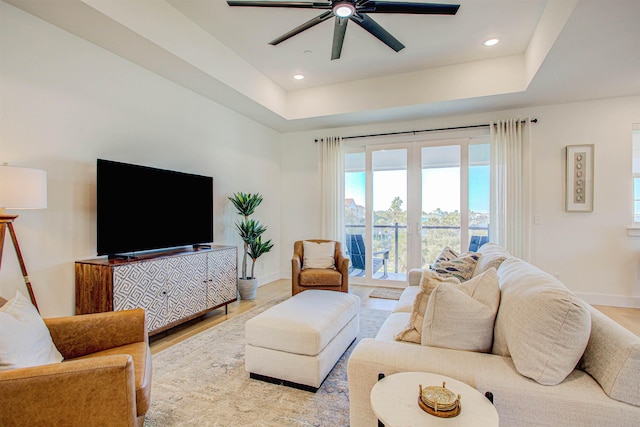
(298, 341)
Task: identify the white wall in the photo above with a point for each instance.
(66, 102)
(590, 252)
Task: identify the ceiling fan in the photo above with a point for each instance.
(356, 11)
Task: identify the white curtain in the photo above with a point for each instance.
(510, 185)
(332, 188)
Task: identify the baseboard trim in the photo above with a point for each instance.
(610, 300)
(265, 280)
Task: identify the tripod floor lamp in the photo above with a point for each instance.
(20, 188)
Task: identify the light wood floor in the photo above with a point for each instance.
(627, 317)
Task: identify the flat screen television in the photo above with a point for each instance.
(140, 208)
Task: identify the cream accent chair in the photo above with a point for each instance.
(104, 380)
(319, 278)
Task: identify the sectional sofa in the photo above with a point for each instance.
(553, 360)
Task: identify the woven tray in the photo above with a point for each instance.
(439, 401)
(442, 414)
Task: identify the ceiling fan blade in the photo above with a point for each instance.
(312, 22)
(296, 4)
(374, 28)
(409, 8)
(339, 31)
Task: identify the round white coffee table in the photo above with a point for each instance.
(394, 400)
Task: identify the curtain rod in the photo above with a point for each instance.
(424, 130)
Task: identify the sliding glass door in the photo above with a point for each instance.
(355, 211)
(406, 201)
(479, 186)
(376, 213)
(389, 213)
(441, 201)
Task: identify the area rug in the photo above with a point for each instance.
(202, 382)
(386, 293)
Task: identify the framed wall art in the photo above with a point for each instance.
(579, 192)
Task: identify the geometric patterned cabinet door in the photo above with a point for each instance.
(142, 284)
(222, 277)
(186, 289)
(172, 287)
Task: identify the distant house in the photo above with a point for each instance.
(354, 213)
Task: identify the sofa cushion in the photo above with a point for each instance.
(413, 330)
(392, 324)
(318, 254)
(461, 267)
(540, 323)
(492, 256)
(576, 402)
(24, 338)
(612, 358)
(407, 298)
(320, 277)
(461, 317)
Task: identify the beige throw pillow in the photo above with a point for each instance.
(429, 281)
(540, 323)
(462, 317)
(492, 256)
(461, 267)
(24, 338)
(318, 254)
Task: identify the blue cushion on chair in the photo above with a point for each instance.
(476, 242)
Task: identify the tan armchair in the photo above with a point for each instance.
(105, 379)
(319, 278)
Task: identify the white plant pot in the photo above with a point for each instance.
(247, 288)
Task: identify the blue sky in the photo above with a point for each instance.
(442, 188)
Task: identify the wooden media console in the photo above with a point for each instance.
(173, 287)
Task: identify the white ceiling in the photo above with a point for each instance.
(551, 51)
(430, 40)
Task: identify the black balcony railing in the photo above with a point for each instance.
(380, 233)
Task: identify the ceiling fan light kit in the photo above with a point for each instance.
(352, 10)
(343, 9)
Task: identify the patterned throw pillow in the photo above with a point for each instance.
(461, 267)
(447, 254)
(428, 282)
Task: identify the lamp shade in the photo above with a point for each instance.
(22, 188)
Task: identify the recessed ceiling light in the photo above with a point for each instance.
(298, 76)
(491, 42)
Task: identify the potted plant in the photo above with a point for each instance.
(250, 232)
(256, 249)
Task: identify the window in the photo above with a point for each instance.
(636, 172)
